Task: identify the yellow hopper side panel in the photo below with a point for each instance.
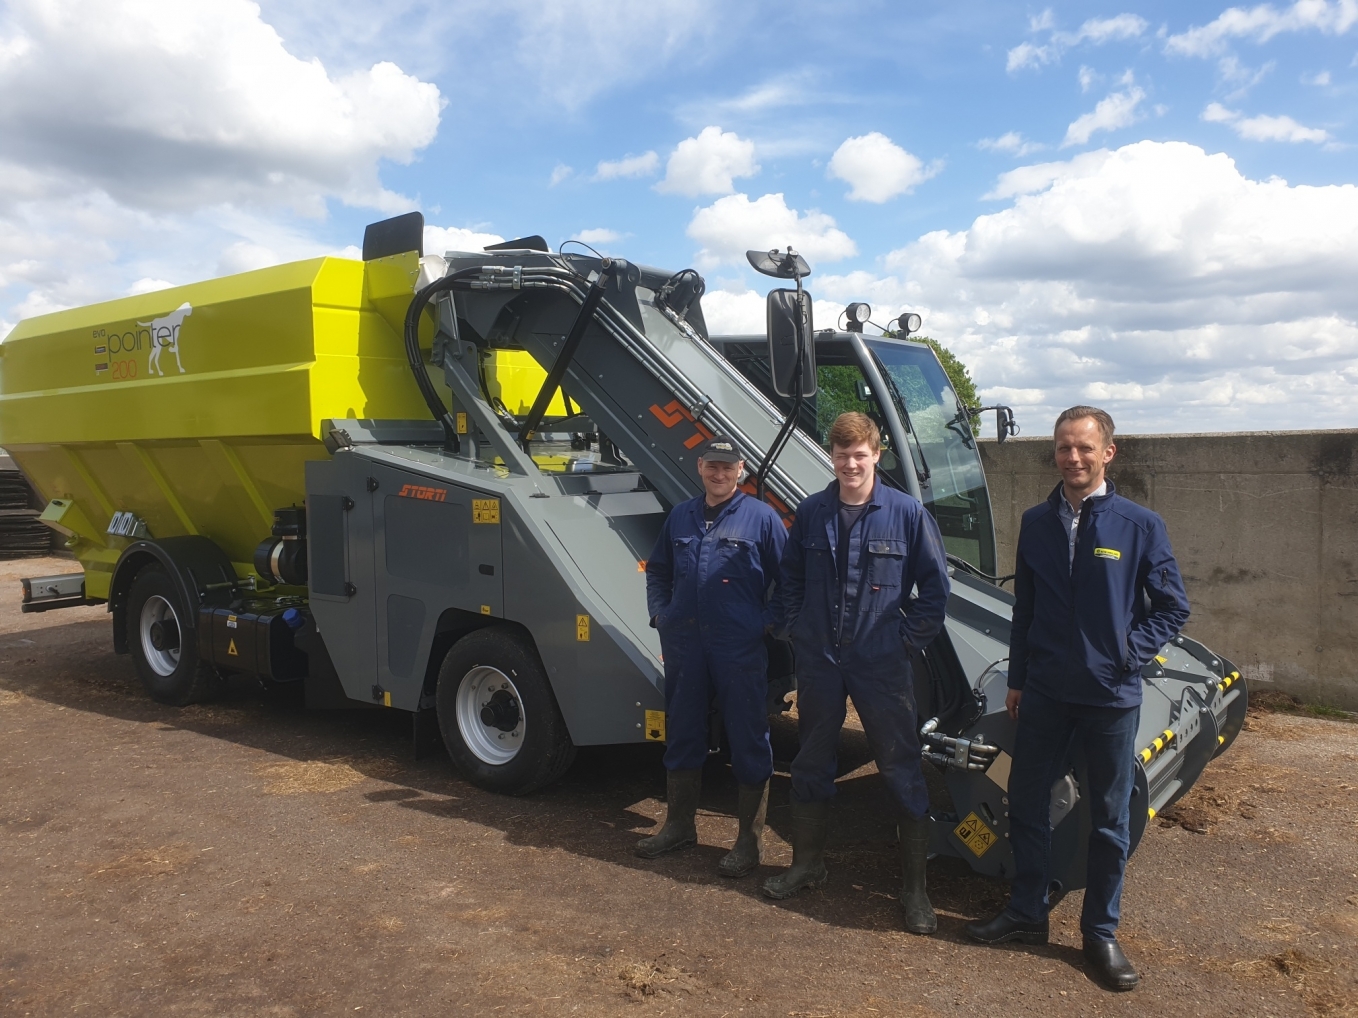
(197, 407)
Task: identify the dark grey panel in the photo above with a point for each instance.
(427, 541)
(328, 558)
(405, 622)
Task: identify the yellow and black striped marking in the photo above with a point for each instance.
(1157, 747)
(1228, 681)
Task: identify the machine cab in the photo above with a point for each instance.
(926, 433)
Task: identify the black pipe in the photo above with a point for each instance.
(417, 367)
(563, 359)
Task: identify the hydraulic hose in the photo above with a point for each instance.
(417, 367)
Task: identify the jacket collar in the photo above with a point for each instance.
(832, 490)
(1097, 503)
(701, 501)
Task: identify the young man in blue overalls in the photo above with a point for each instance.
(853, 556)
(709, 582)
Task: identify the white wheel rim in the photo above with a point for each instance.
(157, 609)
(488, 743)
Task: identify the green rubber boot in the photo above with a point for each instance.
(919, 913)
(810, 828)
(748, 851)
(681, 797)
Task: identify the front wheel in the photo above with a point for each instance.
(498, 716)
(164, 653)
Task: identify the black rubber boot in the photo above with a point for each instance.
(681, 797)
(748, 851)
(919, 913)
(1109, 966)
(810, 828)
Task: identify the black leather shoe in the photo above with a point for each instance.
(1106, 963)
(1005, 927)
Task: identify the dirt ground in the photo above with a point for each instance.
(250, 858)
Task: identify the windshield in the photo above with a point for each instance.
(943, 447)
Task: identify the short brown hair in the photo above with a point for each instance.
(1076, 413)
(853, 427)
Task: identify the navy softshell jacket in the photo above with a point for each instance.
(894, 546)
(1082, 632)
(718, 577)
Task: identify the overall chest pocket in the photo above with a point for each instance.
(736, 559)
(685, 552)
(886, 562)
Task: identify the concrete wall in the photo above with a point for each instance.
(1265, 528)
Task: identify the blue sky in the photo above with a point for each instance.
(1148, 206)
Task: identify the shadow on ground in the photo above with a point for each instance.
(611, 796)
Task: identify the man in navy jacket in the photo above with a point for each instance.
(709, 586)
(853, 556)
(1088, 564)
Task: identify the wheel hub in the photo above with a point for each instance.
(164, 634)
(501, 711)
(159, 630)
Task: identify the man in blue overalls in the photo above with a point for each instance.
(709, 584)
(853, 556)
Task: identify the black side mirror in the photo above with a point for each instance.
(1005, 425)
(789, 312)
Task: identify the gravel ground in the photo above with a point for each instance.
(250, 858)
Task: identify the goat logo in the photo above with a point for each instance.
(165, 336)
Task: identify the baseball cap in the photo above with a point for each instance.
(720, 450)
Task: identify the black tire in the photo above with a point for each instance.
(525, 745)
(171, 672)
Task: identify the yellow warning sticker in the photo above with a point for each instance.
(461, 424)
(231, 622)
(386, 698)
(582, 628)
(485, 609)
(231, 649)
(973, 833)
(1111, 553)
(485, 510)
(655, 726)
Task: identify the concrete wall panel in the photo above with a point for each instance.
(1265, 527)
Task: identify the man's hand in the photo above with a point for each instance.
(1011, 702)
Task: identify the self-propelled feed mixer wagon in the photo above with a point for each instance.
(431, 484)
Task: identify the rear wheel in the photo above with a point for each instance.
(498, 716)
(163, 652)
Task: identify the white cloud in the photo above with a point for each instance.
(1012, 143)
(1320, 79)
(151, 141)
(877, 169)
(1096, 31)
(560, 172)
(1156, 279)
(1114, 111)
(708, 164)
(1261, 23)
(438, 239)
(730, 313)
(148, 285)
(206, 106)
(598, 237)
(730, 226)
(1087, 77)
(1263, 127)
(644, 165)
